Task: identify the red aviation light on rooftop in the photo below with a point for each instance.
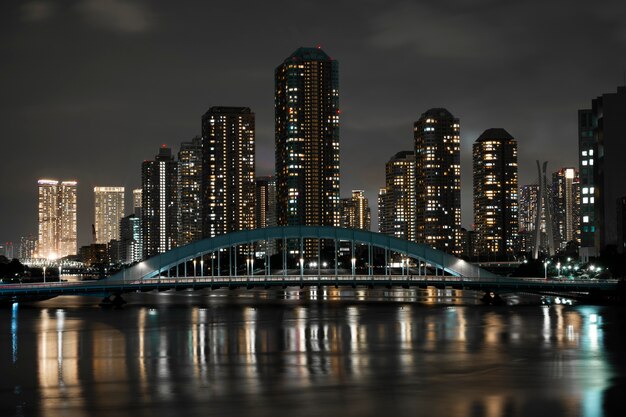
(319, 46)
(164, 146)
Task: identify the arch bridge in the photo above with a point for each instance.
(301, 250)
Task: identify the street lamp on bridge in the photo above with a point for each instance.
(545, 268)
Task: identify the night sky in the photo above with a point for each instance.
(89, 89)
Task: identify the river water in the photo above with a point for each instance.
(333, 353)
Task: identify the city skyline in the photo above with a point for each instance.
(392, 102)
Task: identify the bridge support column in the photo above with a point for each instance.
(336, 257)
(386, 261)
(284, 256)
(236, 272)
(369, 259)
(230, 261)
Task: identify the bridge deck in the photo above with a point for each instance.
(499, 284)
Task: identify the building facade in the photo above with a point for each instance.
(604, 156)
(438, 180)
(159, 221)
(586, 157)
(130, 247)
(355, 211)
(495, 193)
(397, 203)
(527, 214)
(108, 211)
(307, 139)
(566, 203)
(190, 191)
(57, 236)
(228, 187)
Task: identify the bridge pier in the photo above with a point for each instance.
(492, 299)
(117, 301)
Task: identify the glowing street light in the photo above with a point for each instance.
(194, 268)
(353, 266)
(301, 267)
(545, 267)
(201, 267)
(44, 274)
(558, 267)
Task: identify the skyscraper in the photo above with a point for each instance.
(495, 193)
(603, 154)
(109, 210)
(159, 220)
(438, 180)
(307, 139)
(228, 186)
(355, 211)
(28, 247)
(57, 219)
(586, 157)
(190, 191)
(265, 202)
(130, 239)
(137, 202)
(527, 213)
(266, 210)
(397, 203)
(566, 206)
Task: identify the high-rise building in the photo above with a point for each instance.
(228, 186)
(602, 154)
(28, 247)
(266, 210)
(265, 202)
(397, 202)
(307, 140)
(355, 211)
(527, 214)
(159, 221)
(109, 210)
(495, 193)
(190, 191)
(566, 206)
(586, 158)
(137, 202)
(382, 207)
(438, 180)
(57, 219)
(130, 239)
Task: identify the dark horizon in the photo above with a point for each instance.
(91, 89)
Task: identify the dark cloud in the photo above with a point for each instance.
(123, 16)
(37, 10)
(96, 89)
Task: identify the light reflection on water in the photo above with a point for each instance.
(236, 357)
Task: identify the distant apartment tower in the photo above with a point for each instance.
(382, 215)
(228, 185)
(527, 214)
(130, 247)
(438, 180)
(57, 219)
(604, 155)
(265, 202)
(495, 193)
(109, 210)
(190, 191)
(159, 221)
(566, 206)
(307, 139)
(28, 247)
(137, 202)
(355, 211)
(266, 210)
(397, 202)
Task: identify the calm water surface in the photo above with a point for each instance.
(268, 354)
